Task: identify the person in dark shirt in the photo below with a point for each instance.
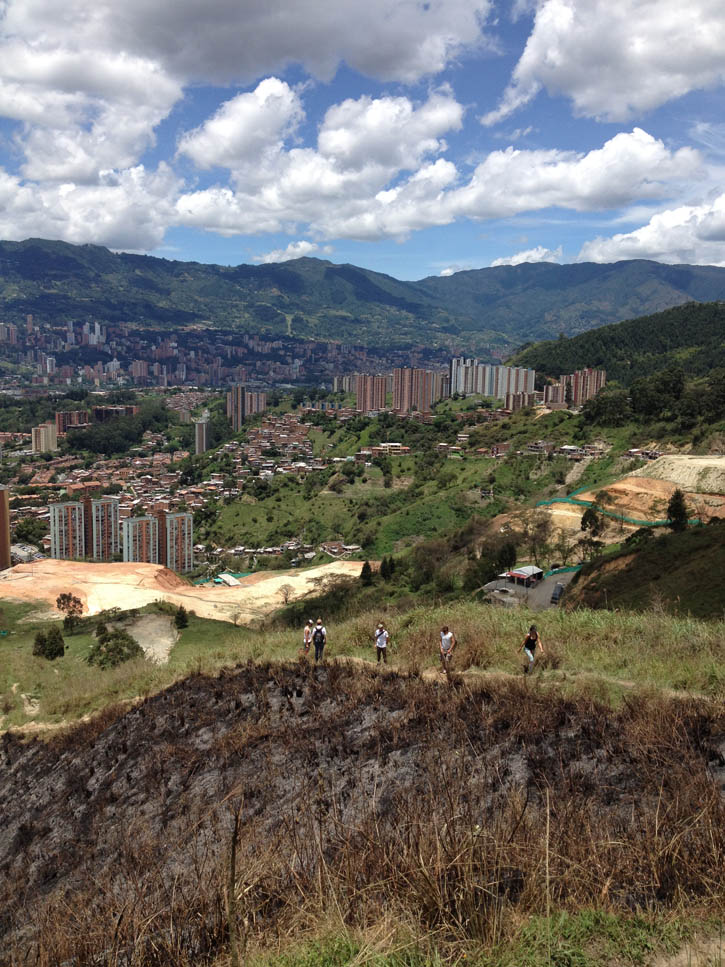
(530, 643)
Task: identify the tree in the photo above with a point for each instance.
(562, 546)
(506, 557)
(112, 649)
(181, 618)
(366, 574)
(592, 522)
(537, 532)
(49, 644)
(384, 569)
(72, 607)
(677, 513)
(286, 592)
(30, 530)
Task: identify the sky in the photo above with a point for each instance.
(412, 137)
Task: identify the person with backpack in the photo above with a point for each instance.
(532, 639)
(319, 639)
(381, 643)
(447, 644)
(307, 636)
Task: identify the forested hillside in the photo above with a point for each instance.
(691, 337)
(469, 312)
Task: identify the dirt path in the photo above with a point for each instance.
(157, 635)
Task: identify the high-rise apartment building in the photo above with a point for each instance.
(176, 541)
(67, 530)
(237, 406)
(201, 435)
(102, 533)
(470, 376)
(575, 388)
(370, 393)
(64, 419)
(5, 561)
(255, 403)
(44, 438)
(140, 539)
(415, 390)
(344, 384)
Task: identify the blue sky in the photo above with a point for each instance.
(415, 138)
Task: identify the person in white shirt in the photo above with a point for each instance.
(381, 643)
(307, 635)
(319, 639)
(448, 643)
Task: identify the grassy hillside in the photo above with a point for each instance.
(689, 336)
(312, 298)
(680, 573)
(597, 651)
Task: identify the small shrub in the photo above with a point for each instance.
(113, 649)
(181, 618)
(49, 644)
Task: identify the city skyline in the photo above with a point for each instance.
(417, 139)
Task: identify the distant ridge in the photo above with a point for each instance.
(690, 336)
(473, 311)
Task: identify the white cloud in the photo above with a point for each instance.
(337, 188)
(338, 196)
(388, 131)
(89, 83)
(616, 60)
(127, 210)
(230, 42)
(538, 254)
(627, 167)
(246, 128)
(295, 250)
(688, 234)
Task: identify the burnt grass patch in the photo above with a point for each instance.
(456, 808)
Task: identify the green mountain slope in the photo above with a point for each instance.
(680, 573)
(311, 298)
(692, 336)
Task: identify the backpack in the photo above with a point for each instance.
(318, 636)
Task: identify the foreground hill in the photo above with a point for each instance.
(312, 298)
(453, 814)
(691, 336)
(680, 573)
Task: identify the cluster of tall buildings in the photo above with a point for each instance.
(416, 390)
(412, 390)
(470, 376)
(242, 403)
(575, 388)
(44, 438)
(91, 529)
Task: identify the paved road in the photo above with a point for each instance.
(538, 598)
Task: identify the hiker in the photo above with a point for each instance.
(307, 635)
(319, 638)
(532, 639)
(381, 643)
(448, 643)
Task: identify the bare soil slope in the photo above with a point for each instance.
(357, 791)
(699, 474)
(104, 586)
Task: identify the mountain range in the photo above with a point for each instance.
(474, 311)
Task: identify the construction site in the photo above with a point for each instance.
(102, 587)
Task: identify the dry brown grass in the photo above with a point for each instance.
(454, 810)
